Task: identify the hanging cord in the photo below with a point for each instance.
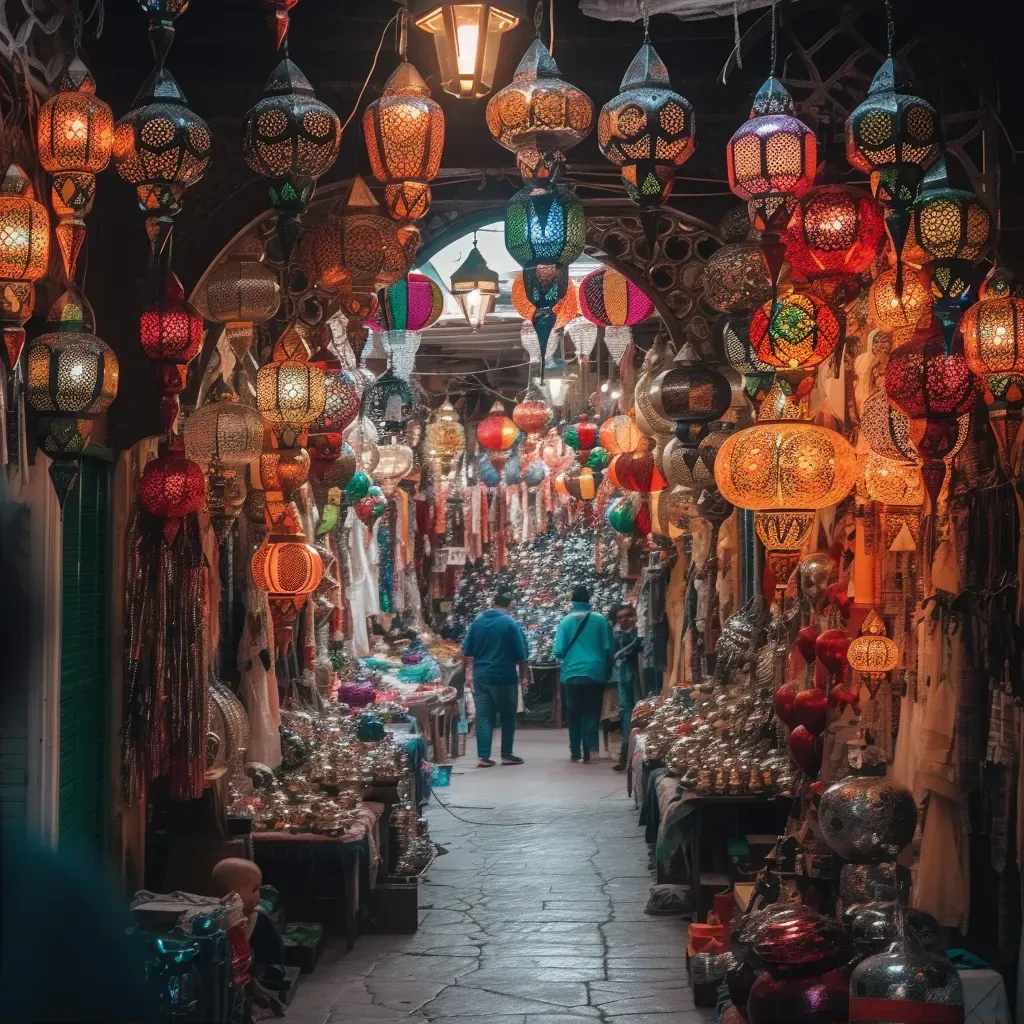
(736, 33)
(373, 67)
(538, 17)
(403, 32)
(775, 35)
(76, 42)
(551, 27)
(890, 27)
(645, 16)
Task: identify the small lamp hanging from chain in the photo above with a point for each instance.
(475, 287)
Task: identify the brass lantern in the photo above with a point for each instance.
(24, 257)
(74, 136)
(396, 463)
(290, 390)
(445, 439)
(898, 310)
(404, 132)
(475, 287)
(873, 654)
(737, 278)
(468, 37)
(71, 377)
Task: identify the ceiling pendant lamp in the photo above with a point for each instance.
(389, 403)
(171, 488)
(898, 488)
(795, 333)
(897, 300)
(873, 654)
(290, 391)
(468, 39)
(475, 287)
(532, 415)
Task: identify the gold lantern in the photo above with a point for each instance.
(468, 37)
(873, 654)
(898, 311)
(404, 133)
(395, 464)
(290, 391)
(24, 257)
(71, 377)
(898, 487)
(445, 439)
(475, 287)
(74, 137)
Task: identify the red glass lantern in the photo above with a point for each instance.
(341, 406)
(638, 471)
(497, 433)
(171, 334)
(609, 299)
(796, 332)
(171, 488)
(581, 437)
(532, 416)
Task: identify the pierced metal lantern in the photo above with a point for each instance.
(161, 147)
(70, 378)
(171, 334)
(290, 391)
(739, 353)
(647, 130)
(896, 310)
(796, 332)
(497, 433)
(74, 139)
(691, 395)
(538, 115)
(24, 257)
(282, 471)
(341, 406)
(389, 403)
(445, 439)
(566, 309)
(610, 299)
(468, 38)
(898, 487)
(475, 287)
(292, 138)
(396, 463)
(737, 278)
(404, 132)
(171, 487)
(873, 654)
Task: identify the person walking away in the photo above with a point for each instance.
(495, 658)
(585, 646)
(626, 671)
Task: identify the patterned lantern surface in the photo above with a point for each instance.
(544, 225)
(223, 431)
(445, 437)
(893, 135)
(475, 287)
(629, 515)
(891, 434)
(691, 393)
(389, 403)
(620, 434)
(412, 304)
(396, 463)
(677, 462)
(496, 432)
(565, 309)
(290, 391)
(772, 158)
(647, 130)
(895, 312)
(341, 406)
(582, 482)
(70, 378)
(609, 299)
(539, 115)
(468, 36)
(993, 334)
(170, 488)
(873, 653)
(798, 331)
(923, 382)
(160, 146)
(893, 482)
(74, 139)
(638, 471)
(290, 137)
(556, 454)
(835, 229)
(737, 278)
(707, 453)
(532, 416)
(581, 436)
(404, 132)
(283, 470)
(583, 335)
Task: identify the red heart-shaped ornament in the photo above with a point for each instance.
(785, 698)
(843, 696)
(831, 647)
(810, 709)
(805, 750)
(805, 641)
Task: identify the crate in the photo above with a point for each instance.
(394, 909)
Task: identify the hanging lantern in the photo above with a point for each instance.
(707, 454)
(648, 131)
(389, 403)
(565, 309)
(396, 463)
(290, 391)
(758, 375)
(796, 332)
(952, 227)
(648, 419)
(497, 433)
(873, 654)
(897, 300)
(772, 160)
(404, 132)
(677, 462)
(620, 434)
(583, 335)
(240, 292)
(341, 406)
(71, 377)
(468, 38)
(737, 278)
(282, 471)
(617, 340)
(171, 334)
(638, 471)
(445, 439)
(582, 482)
(531, 346)
(74, 138)
(924, 382)
(532, 416)
(891, 434)
(404, 309)
(630, 515)
(691, 395)
(610, 299)
(292, 138)
(538, 115)
(898, 488)
(475, 287)
(162, 148)
(24, 257)
(581, 437)
(171, 487)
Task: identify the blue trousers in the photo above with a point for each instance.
(583, 699)
(627, 700)
(494, 700)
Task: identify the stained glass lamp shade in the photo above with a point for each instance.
(445, 438)
(565, 309)
(497, 434)
(610, 299)
(74, 139)
(70, 378)
(647, 130)
(468, 38)
(404, 132)
(475, 287)
(389, 403)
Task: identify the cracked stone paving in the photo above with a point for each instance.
(537, 920)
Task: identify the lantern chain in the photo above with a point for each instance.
(538, 17)
(890, 27)
(76, 42)
(775, 35)
(645, 15)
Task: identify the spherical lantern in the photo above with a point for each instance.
(171, 488)
(677, 463)
(556, 454)
(497, 434)
(798, 331)
(475, 288)
(565, 309)
(171, 334)
(691, 395)
(647, 130)
(161, 147)
(582, 482)
(413, 303)
(24, 257)
(538, 115)
(341, 406)
(609, 299)
(620, 434)
(404, 132)
(630, 515)
(638, 471)
(581, 436)
(396, 463)
(389, 403)
(445, 438)
(897, 300)
(292, 138)
(223, 432)
(772, 159)
(290, 391)
(70, 378)
(924, 382)
(737, 278)
(873, 654)
(707, 453)
(532, 416)
(74, 138)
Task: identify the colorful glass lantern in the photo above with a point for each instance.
(74, 139)
(873, 654)
(468, 38)
(897, 300)
(475, 287)
(389, 403)
(291, 138)
(758, 375)
(620, 434)
(582, 482)
(171, 487)
(796, 332)
(497, 433)
(24, 257)
(396, 463)
(638, 471)
(404, 132)
(240, 292)
(71, 377)
(171, 334)
(647, 130)
(538, 115)
(565, 309)
(445, 438)
(581, 436)
(691, 395)
(162, 148)
(413, 303)
(630, 515)
(341, 406)
(737, 278)
(771, 160)
(290, 391)
(610, 299)
(532, 416)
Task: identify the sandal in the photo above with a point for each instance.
(511, 759)
(485, 762)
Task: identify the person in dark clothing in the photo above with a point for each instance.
(626, 670)
(495, 658)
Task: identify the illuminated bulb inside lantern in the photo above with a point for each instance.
(76, 130)
(604, 388)
(467, 41)
(616, 394)
(76, 371)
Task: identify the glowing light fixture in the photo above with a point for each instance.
(475, 287)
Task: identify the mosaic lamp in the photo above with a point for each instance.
(389, 403)
(475, 287)
(291, 138)
(171, 334)
(404, 132)
(74, 139)
(897, 300)
(796, 332)
(497, 434)
(647, 130)
(70, 378)
(873, 654)
(24, 257)
(468, 38)
(445, 439)
(290, 391)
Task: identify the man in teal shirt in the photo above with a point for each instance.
(496, 659)
(585, 646)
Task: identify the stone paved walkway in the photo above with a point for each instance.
(536, 922)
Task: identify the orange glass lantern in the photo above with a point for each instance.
(796, 332)
(290, 391)
(565, 310)
(621, 434)
(873, 654)
(497, 433)
(582, 482)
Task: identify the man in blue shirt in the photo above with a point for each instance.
(495, 657)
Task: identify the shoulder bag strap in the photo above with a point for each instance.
(579, 632)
